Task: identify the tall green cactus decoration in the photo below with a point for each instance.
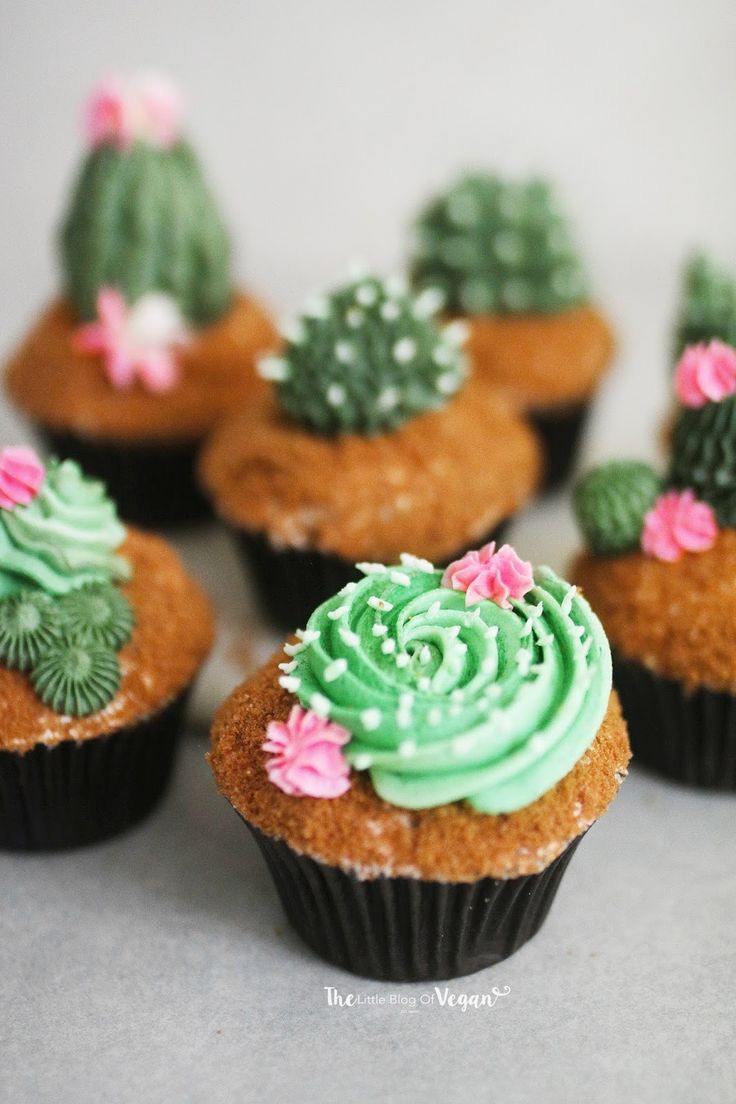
(494, 246)
(141, 217)
(704, 456)
(366, 358)
(707, 306)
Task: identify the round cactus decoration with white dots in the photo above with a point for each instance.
(493, 246)
(366, 358)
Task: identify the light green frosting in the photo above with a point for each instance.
(445, 702)
(65, 537)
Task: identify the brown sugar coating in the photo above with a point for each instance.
(364, 834)
(540, 360)
(172, 636)
(66, 390)
(438, 483)
(678, 619)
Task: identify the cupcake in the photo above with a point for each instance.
(660, 571)
(148, 343)
(370, 441)
(500, 254)
(707, 306)
(101, 635)
(420, 766)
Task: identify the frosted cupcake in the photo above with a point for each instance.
(660, 571)
(501, 254)
(372, 440)
(101, 636)
(149, 342)
(421, 764)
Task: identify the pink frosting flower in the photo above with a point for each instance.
(489, 574)
(308, 759)
(706, 373)
(21, 475)
(678, 523)
(137, 342)
(146, 108)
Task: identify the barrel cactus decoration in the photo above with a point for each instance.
(366, 358)
(141, 217)
(496, 246)
(611, 502)
(704, 456)
(708, 304)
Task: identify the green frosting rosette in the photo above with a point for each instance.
(447, 695)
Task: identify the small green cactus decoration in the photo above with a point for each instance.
(611, 502)
(704, 456)
(708, 305)
(494, 246)
(367, 358)
(141, 217)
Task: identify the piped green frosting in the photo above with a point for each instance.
(65, 537)
(367, 358)
(97, 614)
(142, 219)
(76, 678)
(29, 624)
(704, 456)
(445, 702)
(611, 502)
(707, 306)
(494, 246)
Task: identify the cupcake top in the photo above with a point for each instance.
(74, 622)
(466, 696)
(707, 306)
(369, 387)
(662, 548)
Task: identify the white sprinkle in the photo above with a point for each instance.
(344, 352)
(425, 654)
(537, 742)
(453, 632)
(461, 647)
(424, 683)
(335, 669)
(493, 692)
(457, 695)
(528, 626)
(388, 399)
(488, 666)
(290, 683)
(586, 644)
(406, 699)
(395, 285)
(444, 354)
(308, 636)
(320, 704)
(371, 719)
(578, 630)
(462, 744)
(287, 668)
(545, 640)
(523, 661)
(390, 311)
(371, 568)
(537, 611)
(379, 629)
(428, 302)
(293, 330)
(403, 720)
(434, 609)
(434, 716)
(335, 394)
(381, 604)
(348, 637)
(348, 588)
(388, 646)
(447, 383)
(362, 761)
(400, 578)
(336, 614)
(416, 562)
(273, 368)
(357, 269)
(456, 332)
(567, 601)
(402, 660)
(317, 307)
(455, 709)
(407, 748)
(354, 317)
(294, 649)
(366, 295)
(404, 350)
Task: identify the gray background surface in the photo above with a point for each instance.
(158, 967)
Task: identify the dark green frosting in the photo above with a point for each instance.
(143, 220)
(97, 614)
(610, 503)
(367, 358)
(704, 456)
(707, 305)
(29, 624)
(495, 246)
(76, 678)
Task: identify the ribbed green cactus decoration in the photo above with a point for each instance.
(495, 246)
(142, 219)
(366, 358)
(704, 456)
(610, 503)
(707, 306)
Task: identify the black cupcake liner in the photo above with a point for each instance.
(406, 929)
(78, 793)
(688, 736)
(291, 583)
(153, 484)
(560, 432)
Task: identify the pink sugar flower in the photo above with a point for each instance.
(706, 373)
(21, 475)
(486, 573)
(136, 342)
(678, 523)
(146, 108)
(307, 755)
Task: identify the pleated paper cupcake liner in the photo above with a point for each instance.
(78, 793)
(153, 485)
(406, 929)
(561, 434)
(689, 736)
(290, 583)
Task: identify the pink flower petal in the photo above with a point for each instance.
(487, 574)
(21, 476)
(678, 523)
(308, 760)
(705, 373)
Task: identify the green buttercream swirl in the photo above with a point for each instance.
(445, 702)
(64, 538)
